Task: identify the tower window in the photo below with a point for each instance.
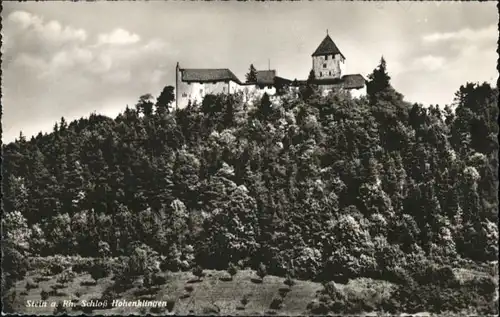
(324, 65)
(320, 74)
(330, 73)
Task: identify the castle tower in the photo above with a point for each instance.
(328, 61)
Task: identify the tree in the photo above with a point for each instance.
(262, 271)
(143, 261)
(164, 100)
(265, 106)
(103, 248)
(198, 272)
(145, 105)
(311, 86)
(251, 76)
(232, 270)
(312, 77)
(15, 231)
(379, 79)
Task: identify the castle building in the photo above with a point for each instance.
(327, 61)
(328, 65)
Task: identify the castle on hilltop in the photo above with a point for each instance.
(328, 65)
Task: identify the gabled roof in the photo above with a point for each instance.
(265, 77)
(327, 47)
(282, 80)
(208, 75)
(353, 81)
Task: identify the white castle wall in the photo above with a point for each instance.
(328, 68)
(356, 93)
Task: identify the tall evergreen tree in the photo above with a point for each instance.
(164, 100)
(251, 76)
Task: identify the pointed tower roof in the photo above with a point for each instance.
(327, 47)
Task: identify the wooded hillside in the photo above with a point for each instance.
(316, 187)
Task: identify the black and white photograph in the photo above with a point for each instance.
(255, 158)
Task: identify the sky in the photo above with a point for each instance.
(69, 59)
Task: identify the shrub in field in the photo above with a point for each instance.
(56, 268)
(232, 269)
(283, 291)
(122, 283)
(60, 309)
(145, 291)
(14, 264)
(433, 274)
(120, 267)
(103, 249)
(44, 294)
(100, 269)
(64, 278)
(262, 271)
(485, 286)
(318, 307)
(198, 272)
(108, 296)
(170, 304)
(83, 266)
(476, 295)
(333, 299)
(276, 303)
(397, 275)
(158, 279)
(143, 260)
(9, 302)
(30, 284)
(172, 262)
(289, 281)
(244, 301)
(211, 309)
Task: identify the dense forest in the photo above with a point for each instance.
(311, 186)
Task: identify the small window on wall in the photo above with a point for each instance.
(201, 91)
(320, 74)
(326, 57)
(324, 65)
(330, 73)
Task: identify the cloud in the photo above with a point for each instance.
(52, 31)
(447, 60)
(118, 37)
(68, 72)
(428, 63)
(469, 35)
